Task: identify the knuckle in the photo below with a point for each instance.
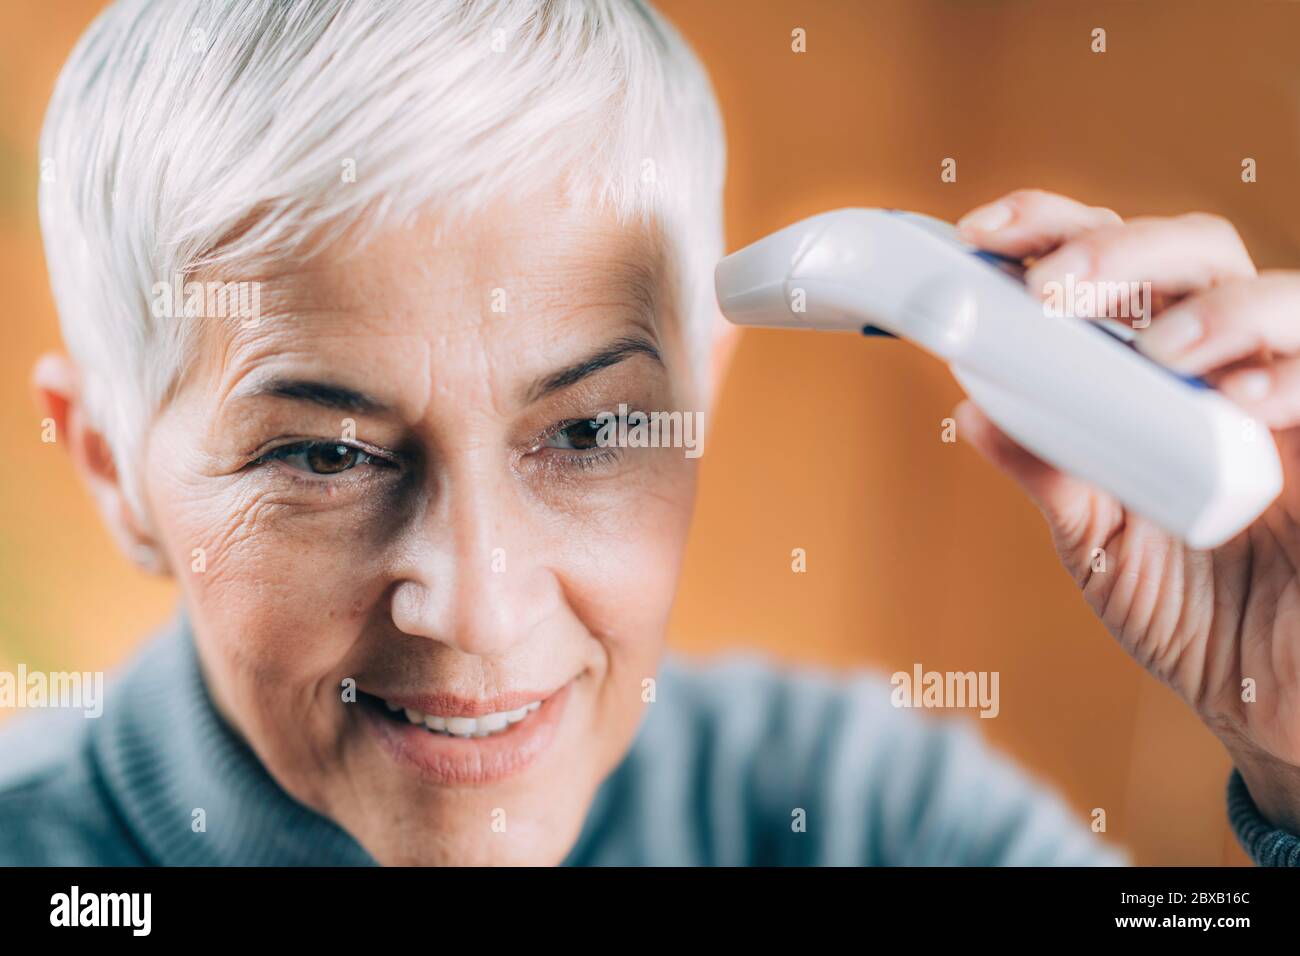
(1097, 250)
(1214, 224)
(1109, 215)
(1236, 260)
(1215, 309)
(1030, 197)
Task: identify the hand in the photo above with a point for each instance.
(1201, 621)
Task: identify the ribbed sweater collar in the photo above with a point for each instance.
(165, 752)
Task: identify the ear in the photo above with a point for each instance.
(57, 383)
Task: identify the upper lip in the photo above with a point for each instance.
(453, 705)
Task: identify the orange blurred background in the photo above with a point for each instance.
(917, 550)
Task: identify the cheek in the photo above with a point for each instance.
(272, 606)
(619, 574)
(622, 568)
(272, 625)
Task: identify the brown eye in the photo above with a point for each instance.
(577, 436)
(330, 459)
(322, 457)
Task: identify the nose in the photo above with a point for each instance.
(475, 578)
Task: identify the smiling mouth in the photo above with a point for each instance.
(465, 744)
(486, 725)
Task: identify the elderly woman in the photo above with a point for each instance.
(424, 606)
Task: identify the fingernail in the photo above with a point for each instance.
(1170, 334)
(987, 218)
(1248, 386)
(1070, 261)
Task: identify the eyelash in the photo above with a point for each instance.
(591, 461)
(365, 456)
(577, 459)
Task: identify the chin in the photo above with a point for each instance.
(530, 821)
(459, 836)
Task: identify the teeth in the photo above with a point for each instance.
(461, 726)
(484, 726)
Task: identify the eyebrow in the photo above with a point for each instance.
(324, 394)
(341, 398)
(612, 354)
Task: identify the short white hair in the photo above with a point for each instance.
(191, 134)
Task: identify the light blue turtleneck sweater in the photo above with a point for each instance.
(724, 760)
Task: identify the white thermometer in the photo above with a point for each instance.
(1070, 390)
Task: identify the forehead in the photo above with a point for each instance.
(532, 279)
(536, 255)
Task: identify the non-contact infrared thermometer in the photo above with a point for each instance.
(1069, 389)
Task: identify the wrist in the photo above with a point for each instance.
(1274, 786)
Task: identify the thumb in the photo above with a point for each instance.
(1065, 502)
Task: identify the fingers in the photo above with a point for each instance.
(1176, 255)
(1031, 222)
(1230, 321)
(1233, 321)
(1236, 330)
(1269, 393)
(1161, 258)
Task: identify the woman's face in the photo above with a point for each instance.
(392, 481)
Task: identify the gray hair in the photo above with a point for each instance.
(195, 134)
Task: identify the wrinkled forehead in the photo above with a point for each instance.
(516, 258)
(513, 291)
